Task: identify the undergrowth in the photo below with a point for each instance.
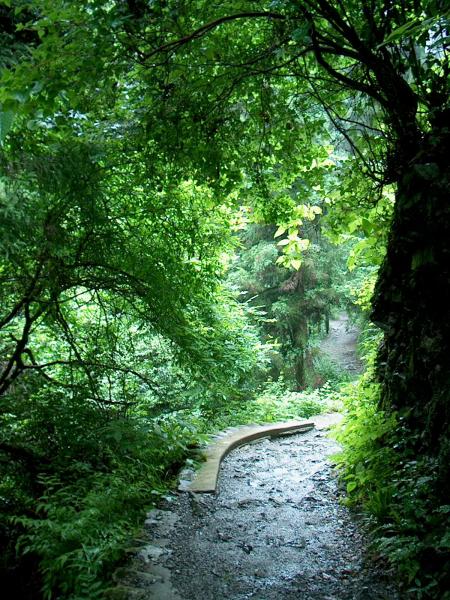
(398, 489)
(87, 514)
(277, 403)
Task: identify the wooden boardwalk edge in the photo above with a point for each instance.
(206, 478)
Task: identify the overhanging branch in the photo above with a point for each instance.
(204, 29)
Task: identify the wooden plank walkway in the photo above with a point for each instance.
(205, 480)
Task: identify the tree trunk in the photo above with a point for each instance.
(412, 297)
(299, 370)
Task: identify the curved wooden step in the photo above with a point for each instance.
(205, 479)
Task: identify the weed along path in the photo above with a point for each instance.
(274, 530)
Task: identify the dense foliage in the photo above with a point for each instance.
(135, 137)
(292, 306)
(399, 488)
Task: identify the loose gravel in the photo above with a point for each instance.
(276, 530)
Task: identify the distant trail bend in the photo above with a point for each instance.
(340, 344)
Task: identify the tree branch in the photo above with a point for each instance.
(347, 81)
(204, 29)
(84, 364)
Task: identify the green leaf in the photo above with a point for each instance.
(284, 242)
(301, 34)
(6, 121)
(351, 485)
(414, 28)
(281, 229)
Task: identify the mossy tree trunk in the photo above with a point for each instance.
(412, 297)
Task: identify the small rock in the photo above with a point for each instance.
(246, 501)
(149, 578)
(276, 500)
(152, 553)
(184, 484)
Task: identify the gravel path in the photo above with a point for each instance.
(274, 531)
(340, 344)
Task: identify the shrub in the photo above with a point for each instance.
(274, 403)
(398, 490)
(86, 517)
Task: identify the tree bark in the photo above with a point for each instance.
(412, 297)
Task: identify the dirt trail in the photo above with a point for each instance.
(340, 344)
(274, 531)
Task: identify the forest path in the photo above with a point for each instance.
(274, 531)
(340, 344)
